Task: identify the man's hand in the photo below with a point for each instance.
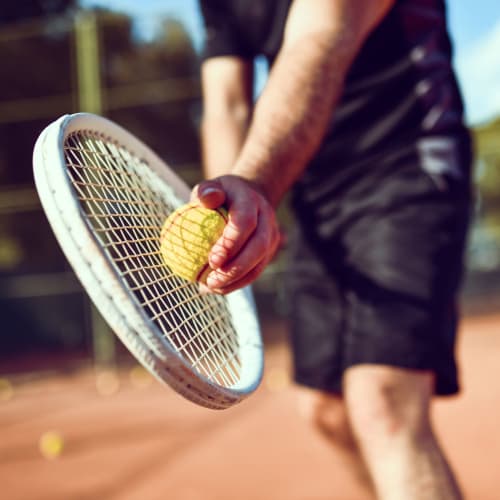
(250, 238)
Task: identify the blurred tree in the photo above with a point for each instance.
(487, 141)
(35, 41)
(151, 88)
(482, 284)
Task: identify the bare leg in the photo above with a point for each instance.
(389, 414)
(327, 413)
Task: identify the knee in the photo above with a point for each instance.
(387, 405)
(327, 414)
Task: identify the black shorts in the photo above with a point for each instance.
(376, 267)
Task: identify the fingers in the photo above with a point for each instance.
(242, 223)
(223, 285)
(241, 282)
(250, 238)
(248, 263)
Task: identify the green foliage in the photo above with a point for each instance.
(484, 242)
(487, 145)
(153, 88)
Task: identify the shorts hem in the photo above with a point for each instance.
(442, 388)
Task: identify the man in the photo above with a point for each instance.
(362, 120)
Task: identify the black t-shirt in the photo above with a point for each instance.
(400, 88)
(244, 28)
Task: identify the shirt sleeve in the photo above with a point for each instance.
(222, 34)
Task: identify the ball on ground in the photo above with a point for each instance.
(51, 444)
(6, 390)
(187, 237)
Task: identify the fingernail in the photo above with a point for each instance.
(208, 191)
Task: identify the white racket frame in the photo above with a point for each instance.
(107, 288)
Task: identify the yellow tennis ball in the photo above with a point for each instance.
(6, 389)
(51, 444)
(187, 237)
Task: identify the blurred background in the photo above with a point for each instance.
(138, 64)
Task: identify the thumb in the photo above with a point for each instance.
(210, 193)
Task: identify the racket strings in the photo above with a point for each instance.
(125, 206)
(188, 333)
(187, 347)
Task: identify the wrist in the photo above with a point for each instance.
(263, 186)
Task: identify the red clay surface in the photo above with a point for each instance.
(143, 442)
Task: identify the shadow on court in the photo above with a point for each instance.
(123, 436)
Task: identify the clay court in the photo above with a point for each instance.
(130, 438)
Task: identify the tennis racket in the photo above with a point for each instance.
(106, 196)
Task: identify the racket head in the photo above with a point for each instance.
(106, 195)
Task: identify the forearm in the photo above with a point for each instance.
(321, 40)
(293, 112)
(227, 108)
(222, 137)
